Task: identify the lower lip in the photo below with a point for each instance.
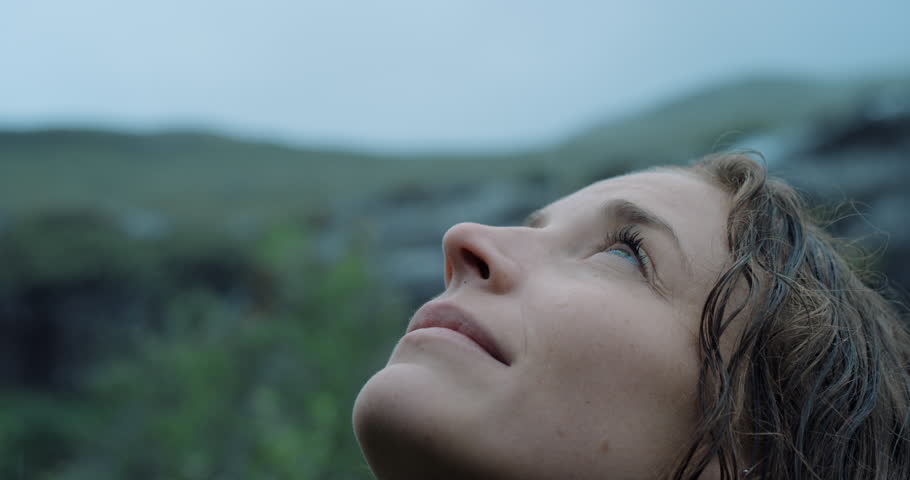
(447, 335)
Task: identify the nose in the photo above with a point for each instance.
(474, 254)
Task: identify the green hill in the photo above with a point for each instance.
(198, 176)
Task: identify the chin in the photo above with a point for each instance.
(411, 424)
(401, 401)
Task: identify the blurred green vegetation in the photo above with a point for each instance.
(253, 378)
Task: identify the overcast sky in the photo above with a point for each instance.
(412, 74)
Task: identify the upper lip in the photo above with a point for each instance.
(447, 315)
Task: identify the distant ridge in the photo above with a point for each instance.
(206, 175)
(713, 117)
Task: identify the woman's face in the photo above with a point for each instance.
(589, 366)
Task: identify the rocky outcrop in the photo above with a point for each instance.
(863, 157)
(404, 227)
(860, 168)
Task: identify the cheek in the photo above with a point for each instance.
(603, 349)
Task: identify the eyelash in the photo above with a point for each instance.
(630, 237)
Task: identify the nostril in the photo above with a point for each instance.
(474, 260)
(484, 269)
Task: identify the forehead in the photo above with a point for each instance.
(692, 206)
(671, 190)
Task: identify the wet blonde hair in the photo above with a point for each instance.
(817, 386)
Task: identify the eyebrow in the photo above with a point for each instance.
(633, 213)
(626, 211)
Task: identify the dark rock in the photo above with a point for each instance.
(863, 157)
(861, 164)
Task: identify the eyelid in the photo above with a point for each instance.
(642, 258)
(632, 239)
(629, 257)
(648, 270)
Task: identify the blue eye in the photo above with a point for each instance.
(634, 253)
(625, 255)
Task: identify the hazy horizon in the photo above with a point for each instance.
(409, 75)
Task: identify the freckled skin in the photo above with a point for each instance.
(602, 382)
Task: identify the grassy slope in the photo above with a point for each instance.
(203, 177)
(189, 175)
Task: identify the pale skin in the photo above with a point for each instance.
(602, 342)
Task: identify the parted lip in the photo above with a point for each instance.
(447, 315)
